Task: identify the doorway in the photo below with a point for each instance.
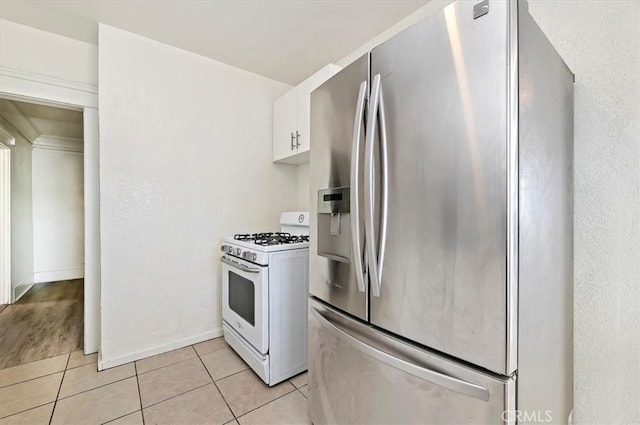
(47, 233)
(34, 88)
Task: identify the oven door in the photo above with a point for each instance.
(245, 300)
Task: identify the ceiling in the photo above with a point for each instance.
(33, 120)
(286, 40)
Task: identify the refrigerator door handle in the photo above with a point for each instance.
(355, 174)
(437, 378)
(384, 190)
(376, 109)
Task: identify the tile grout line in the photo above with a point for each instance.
(26, 410)
(55, 402)
(95, 388)
(255, 408)
(214, 381)
(233, 374)
(32, 379)
(302, 393)
(46, 374)
(177, 395)
(136, 376)
(271, 401)
(120, 380)
(135, 369)
(138, 384)
(87, 364)
(161, 367)
(120, 417)
(82, 365)
(65, 370)
(123, 379)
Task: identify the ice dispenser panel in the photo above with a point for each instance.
(334, 226)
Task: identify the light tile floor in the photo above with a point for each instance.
(207, 383)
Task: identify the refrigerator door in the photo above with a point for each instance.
(336, 252)
(358, 375)
(442, 278)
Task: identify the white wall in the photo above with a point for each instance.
(21, 213)
(185, 159)
(28, 49)
(58, 209)
(600, 41)
(302, 191)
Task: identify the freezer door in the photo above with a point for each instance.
(441, 282)
(358, 375)
(336, 260)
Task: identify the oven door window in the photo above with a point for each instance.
(242, 295)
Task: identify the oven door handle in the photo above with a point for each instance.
(240, 265)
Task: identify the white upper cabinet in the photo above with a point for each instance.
(285, 123)
(291, 119)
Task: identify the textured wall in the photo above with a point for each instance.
(600, 41)
(185, 159)
(303, 194)
(58, 209)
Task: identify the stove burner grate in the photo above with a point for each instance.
(271, 238)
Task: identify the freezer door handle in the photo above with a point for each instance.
(376, 114)
(437, 378)
(356, 240)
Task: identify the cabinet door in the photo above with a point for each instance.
(304, 106)
(285, 116)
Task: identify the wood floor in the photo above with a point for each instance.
(47, 321)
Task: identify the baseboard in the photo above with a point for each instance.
(56, 275)
(20, 289)
(109, 363)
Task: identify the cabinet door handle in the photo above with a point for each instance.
(297, 140)
(292, 143)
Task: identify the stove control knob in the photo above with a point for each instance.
(248, 255)
(237, 251)
(229, 250)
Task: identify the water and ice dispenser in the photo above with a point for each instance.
(334, 225)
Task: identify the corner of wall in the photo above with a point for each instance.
(303, 195)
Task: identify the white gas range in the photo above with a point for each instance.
(265, 281)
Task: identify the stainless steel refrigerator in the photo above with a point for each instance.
(441, 258)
